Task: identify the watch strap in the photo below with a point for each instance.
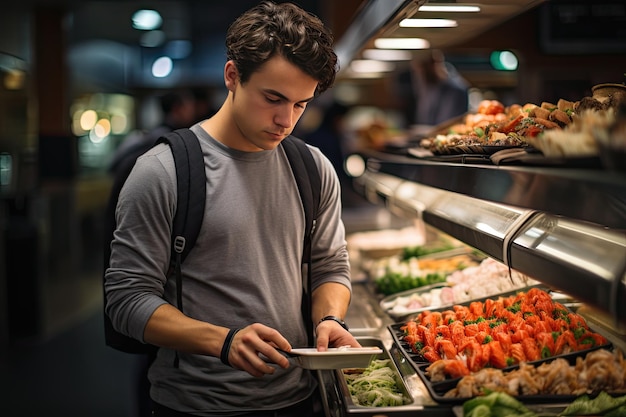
(336, 319)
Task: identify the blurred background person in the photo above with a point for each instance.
(332, 137)
(329, 135)
(432, 90)
(178, 109)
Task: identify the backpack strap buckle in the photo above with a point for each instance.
(179, 244)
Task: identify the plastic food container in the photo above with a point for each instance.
(335, 358)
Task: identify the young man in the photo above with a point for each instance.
(244, 271)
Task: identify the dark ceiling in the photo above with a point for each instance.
(104, 51)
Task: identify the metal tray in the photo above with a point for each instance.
(472, 255)
(399, 315)
(350, 407)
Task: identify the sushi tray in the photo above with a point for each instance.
(463, 350)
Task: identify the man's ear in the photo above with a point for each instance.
(231, 75)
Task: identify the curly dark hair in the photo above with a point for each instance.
(299, 36)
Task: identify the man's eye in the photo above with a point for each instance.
(272, 100)
(301, 105)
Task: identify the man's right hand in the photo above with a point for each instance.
(254, 340)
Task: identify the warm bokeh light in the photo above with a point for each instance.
(88, 120)
(387, 54)
(369, 65)
(14, 79)
(101, 130)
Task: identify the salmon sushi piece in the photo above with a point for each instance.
(565, 343)
(545, 340)
(519, 335)
(483, 337)
(497, 358)
(409, 328)
(505, 341)
(445, 349)
(476, 309)
(426, 335)
(472, 351)
(415, 343)
(448, 317)
(590, 340)
(456, 369)
(471, 330)
(430, 354)
(442, 331)
(516, 353)
(531, 351)
(457, 333)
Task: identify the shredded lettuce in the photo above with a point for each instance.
(376, 386)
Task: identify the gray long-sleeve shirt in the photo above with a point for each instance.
(244, 268)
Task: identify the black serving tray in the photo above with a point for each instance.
(437, 390)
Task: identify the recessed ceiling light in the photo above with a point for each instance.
(387, 54)
(162, 67)
(449, 8)
(145, 19)
(402, 43)
(370, 65)
(428, 23)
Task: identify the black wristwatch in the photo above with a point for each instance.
(337, 319)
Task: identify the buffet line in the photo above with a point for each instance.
(462, 334)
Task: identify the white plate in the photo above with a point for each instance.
(335, 358)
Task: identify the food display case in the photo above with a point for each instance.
(561, 225)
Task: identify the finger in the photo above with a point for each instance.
(274, 356)
(250, 362)
(272, 337)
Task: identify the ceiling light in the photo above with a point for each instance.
(402, 43)
(449, 8)
(387, 54)
(370, 65)
(145, 19)
(162, 67)
(428, 23)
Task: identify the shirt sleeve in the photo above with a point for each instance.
(140, 250)
(330, 261)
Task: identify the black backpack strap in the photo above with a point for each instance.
(190, 175)
(309, 185)
(191, 198)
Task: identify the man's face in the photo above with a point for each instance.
(267, 107)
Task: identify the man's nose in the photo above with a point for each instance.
(284, 116)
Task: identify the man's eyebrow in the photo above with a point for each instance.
(284, 97)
